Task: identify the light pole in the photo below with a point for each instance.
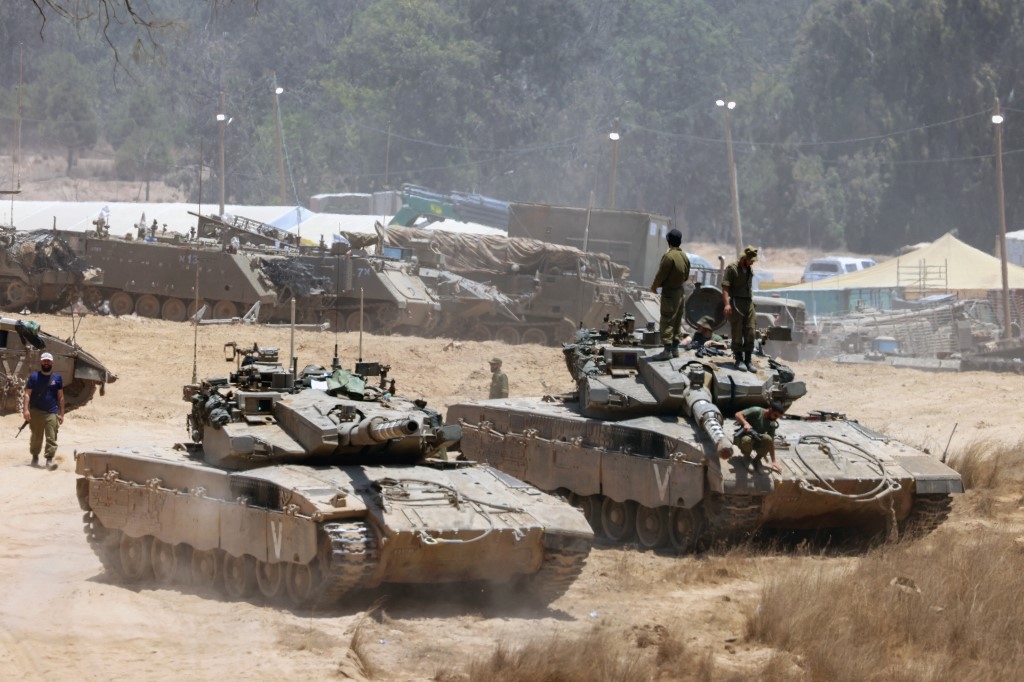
(737, 230)
(614, 137)
(221, 124)
(280, 140)
(997, 120)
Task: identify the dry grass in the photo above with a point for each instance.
(991, 465)
(927, 611)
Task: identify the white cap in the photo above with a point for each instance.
(46, 356)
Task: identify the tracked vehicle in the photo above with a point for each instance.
(306, 489)
(21, 344)
(644, 446)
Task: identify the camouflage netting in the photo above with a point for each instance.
(492, 254)
(293, 275)
(41, 251)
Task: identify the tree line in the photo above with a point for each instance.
(859, 124)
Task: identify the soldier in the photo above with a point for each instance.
(704, 336)
(737, 290)
(499, 382)
(44, 409)
(757, 433)
(673, 271)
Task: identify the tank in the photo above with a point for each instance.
(644, 446)
(39, 269)
(305, 489)
(21, 344)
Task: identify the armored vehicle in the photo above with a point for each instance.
(21, 344)
(39, 269)
(644, 448)
(307, 488)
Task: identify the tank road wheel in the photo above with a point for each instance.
(618, 519)
(302, 581)
(239, 576)
(685, 528)
(507, 335)
(147, 305)
(164, 557)
(174, 310)
(134, 554)
(352, 322)
(204, 568)
(192, 307)
(535, 335)
(270, 579)
(121, 303)
(224, 310)
(478, 332)
(652, 527)
(336, 320)
(19, 293)
(590, 505)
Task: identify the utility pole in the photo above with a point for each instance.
(997, 119)
(280, 141)
(221, 124)
(614, 137)
(737, 230)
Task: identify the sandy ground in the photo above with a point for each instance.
(61, 618)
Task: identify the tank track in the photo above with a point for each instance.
(732, 517)
(104, 542)
(354, 556)
(927, 514)
(559, 569)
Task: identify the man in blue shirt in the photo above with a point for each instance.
(44, 409)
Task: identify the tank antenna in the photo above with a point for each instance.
(337, 313)
(195, 332)
(360, 324)
(291, 348)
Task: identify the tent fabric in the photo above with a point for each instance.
(967, 268)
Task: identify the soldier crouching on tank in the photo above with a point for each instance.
(757, 433)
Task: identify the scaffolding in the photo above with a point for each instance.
(921, 279)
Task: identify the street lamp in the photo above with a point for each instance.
(614, 137)
(737, 230)
(280, 140)
(221, 124)
(997, 121)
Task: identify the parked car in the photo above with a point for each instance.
(822, 268)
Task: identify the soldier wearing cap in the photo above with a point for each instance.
(499, 382)
(44, 409)
(738, 292)
(757, 432)
(673, 271)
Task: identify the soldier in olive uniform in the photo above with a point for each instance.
(673, 271)
(499, 382)
(757, 433)
(737, 290)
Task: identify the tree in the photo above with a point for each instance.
(62, 94)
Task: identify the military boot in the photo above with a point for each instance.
(738, 361)
(675, 348)
(747, 364)
(664, 354)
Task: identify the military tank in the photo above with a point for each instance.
(305, 487)
(643, 446)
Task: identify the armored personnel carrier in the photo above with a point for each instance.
(21, 344)
(644, 447)
(305, 489)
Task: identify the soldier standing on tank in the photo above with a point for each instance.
(737, 290)
(758, 432)
(44, 409)
(673, 271)
(499, 382)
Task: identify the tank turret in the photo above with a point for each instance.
(645, 447)
(307, 485)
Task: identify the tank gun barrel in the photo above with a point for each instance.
(375, 430)
(701, 406)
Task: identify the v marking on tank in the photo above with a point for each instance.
(276, 535)
(662, 485)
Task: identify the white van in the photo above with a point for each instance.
(821, 268)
